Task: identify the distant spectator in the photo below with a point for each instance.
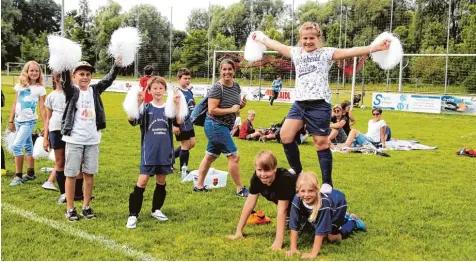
(338, 122)
(277, 85)
(247, 130)
(376, 133)
(148, 71)
(346, 112)
(235, 131)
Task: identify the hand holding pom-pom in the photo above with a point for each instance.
(176, 97)
(380, 46)
(259, 36)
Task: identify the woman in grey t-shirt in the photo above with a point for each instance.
(223, 104)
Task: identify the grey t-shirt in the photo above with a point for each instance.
(230, 97)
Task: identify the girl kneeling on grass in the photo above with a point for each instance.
(157, 149)
(325, 214)
(276, 185)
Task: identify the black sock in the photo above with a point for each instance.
(325, 161)
(30, 171)
(159, 197)
(184, 156)
(177, 152)
(3, 159)
(78, 190)
(292, 154)
(135, 201)
(20, 175)
(60, 179)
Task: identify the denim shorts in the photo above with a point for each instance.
(315, 114)
(152, 170)
(361, 139)
(56, 141)
(219, 139)
(23, 138)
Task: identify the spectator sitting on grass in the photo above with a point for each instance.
(247, 130)
(338, 121)
(378, 132)
(235, 131)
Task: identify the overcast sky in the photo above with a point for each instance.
(180, 8)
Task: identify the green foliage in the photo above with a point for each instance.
(194, 52)
(198, 20)
(429, 69)
(34, 47)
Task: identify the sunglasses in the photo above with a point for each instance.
(377, 114)
(336, 111)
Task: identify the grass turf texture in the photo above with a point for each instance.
(418, 205)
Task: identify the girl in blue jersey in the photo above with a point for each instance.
(323, 214)
(157, 149)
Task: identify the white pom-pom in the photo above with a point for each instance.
(253, 49)
(38, 151)
(124, 44)
(130, 104)
(8, 139)
(170, 106)
(64, 53)
(388, 59)
(51, 156)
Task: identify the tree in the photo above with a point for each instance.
(194, 52)
(155, 31)
(198, 20)
(38, 15)
(34, 47)
(10, 40)
(107, 20)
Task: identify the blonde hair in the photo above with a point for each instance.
(251, 112)
(310, 178)
(24, 80)
(266, 160)
(309, 26)
(156, 80)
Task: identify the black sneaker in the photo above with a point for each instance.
(203, 189)
(89, 213)
(71, 214)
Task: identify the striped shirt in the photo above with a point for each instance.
(228, 97)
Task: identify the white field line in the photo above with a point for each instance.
(106, 242)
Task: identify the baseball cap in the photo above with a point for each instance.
(84, 65)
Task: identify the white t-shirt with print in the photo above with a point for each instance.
(27, 100)
(84, 130)
(312, 73)
(374, 128)
(56, 101)
(237, 122)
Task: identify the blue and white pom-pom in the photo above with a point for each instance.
(173, 91)
(64, 53)
(254, 49)
(130, 104)
(8, 140)
(388, 59)
(124, 44)
(38, 150)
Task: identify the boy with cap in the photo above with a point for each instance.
(82, 121)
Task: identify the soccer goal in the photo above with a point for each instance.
(15, 68)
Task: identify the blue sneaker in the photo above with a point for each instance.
(16, 181)
(27, 177)
(359, 223)
(347, 215)
(243, 192)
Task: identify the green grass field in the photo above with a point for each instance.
(418, 205)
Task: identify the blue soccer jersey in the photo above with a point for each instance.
(187, 124)
(331, 213)
(156, 136)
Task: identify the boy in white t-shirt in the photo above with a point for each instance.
(235, 131)
(376, 132)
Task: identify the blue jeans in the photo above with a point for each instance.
(219, 139)
(23, 138)
(362, 138)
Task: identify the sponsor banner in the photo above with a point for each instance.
(120, 86)
(407, 102)
(458, 104)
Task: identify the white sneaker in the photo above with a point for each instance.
(49, 186)
(159, 215)
(62, 199)
(131, 222)
(326, 188)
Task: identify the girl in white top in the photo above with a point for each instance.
(23, 117)
(377, 128)
(313, 96)
(55, 103)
